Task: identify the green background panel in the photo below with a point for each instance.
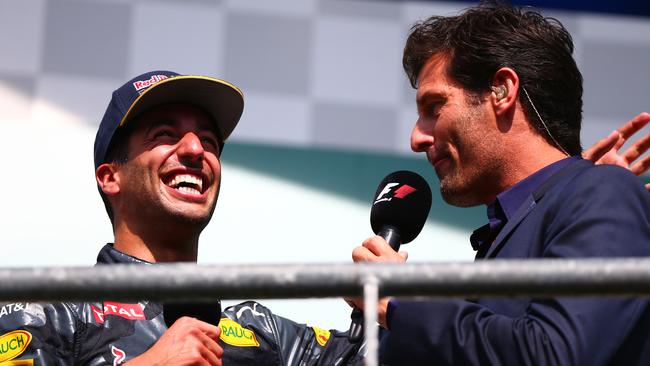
(353, 175)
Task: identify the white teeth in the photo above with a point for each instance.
(188, 190)
(187, 179)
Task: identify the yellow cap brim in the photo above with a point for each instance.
(222, 100)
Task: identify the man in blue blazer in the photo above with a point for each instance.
(499, 98)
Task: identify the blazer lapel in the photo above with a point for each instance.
(531, 202)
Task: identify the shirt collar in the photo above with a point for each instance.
(508, 202)
(511, 199)
(110, 255)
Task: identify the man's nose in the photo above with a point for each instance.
(190, 149)
(420, 138)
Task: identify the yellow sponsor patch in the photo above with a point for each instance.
(322, 335)
(13, 344)
(18, 363)
(236, 335)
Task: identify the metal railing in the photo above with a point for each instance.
(629, 277)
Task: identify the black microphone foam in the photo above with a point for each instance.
(209, 312)
(402, 203)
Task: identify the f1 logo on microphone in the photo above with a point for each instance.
(388, 193)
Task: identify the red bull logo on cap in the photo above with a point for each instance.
(142, 84)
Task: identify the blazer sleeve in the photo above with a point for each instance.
(603, 212)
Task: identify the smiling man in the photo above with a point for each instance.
(157, 166)
(499, 100)
(170, 177)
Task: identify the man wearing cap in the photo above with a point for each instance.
(157, 166)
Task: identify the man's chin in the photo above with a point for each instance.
(457, 197)
(189, 214)
(199, 221)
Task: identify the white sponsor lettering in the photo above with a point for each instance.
(384, 192)
(141, 84)
(11, 308)
(99, 315)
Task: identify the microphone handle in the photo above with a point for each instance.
(209, 312)
(392, 236)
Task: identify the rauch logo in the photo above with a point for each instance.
(13, 344)
(236, 335)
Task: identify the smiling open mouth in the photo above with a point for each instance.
(186, 183)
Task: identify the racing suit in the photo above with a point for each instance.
(111, 333)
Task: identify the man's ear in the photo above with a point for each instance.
(505, 89)
(108, 179)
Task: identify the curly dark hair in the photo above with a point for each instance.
(492, 35)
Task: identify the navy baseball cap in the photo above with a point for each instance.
(223, 101)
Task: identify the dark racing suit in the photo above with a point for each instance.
(111, 333)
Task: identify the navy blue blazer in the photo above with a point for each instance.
(581, 211)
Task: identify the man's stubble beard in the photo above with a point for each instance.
(466, 187)
(161, 211)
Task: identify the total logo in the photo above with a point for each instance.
(388, 193)
(127, 311)
(142, 84)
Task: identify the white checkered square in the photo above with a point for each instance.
(186, 38)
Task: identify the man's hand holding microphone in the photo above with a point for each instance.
(398, 214)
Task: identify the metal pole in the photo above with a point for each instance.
(493, 278)
(370, 299)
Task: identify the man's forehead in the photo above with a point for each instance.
(434, 78)
(435, 68)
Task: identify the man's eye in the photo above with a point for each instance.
(210, 141)
(428, 110)
(162, 134)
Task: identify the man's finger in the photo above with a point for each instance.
(634, 125)
(641, 166)
(601, 147)
(210, 330)
(362, 254)
(212, 351)
(637, 149)
(378, 246)
(212, 357)
(404, 254)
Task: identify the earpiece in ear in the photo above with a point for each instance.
(500, 91)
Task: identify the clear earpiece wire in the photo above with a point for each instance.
(544, 123)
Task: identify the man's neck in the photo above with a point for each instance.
(156, 245)
(527, 156)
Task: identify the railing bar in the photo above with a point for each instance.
(494, 278)
(371, 332)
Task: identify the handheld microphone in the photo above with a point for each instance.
(209, 312)
(399, 210)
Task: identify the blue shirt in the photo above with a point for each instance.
(508, 202)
